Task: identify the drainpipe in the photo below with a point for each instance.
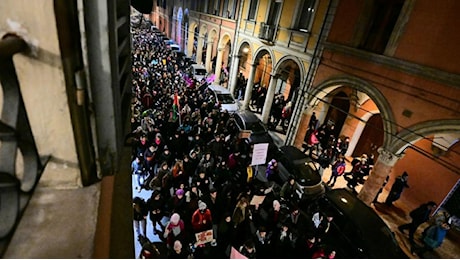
(66, 14)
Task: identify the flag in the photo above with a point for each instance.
(175, 107)
(211, 78)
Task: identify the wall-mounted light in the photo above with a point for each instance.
(245, 50)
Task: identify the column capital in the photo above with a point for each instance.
(388, 158)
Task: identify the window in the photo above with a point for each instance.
(229, 9)
(213, 7)
(211, 4)
(252, 9)
(306, 15)
(383, 16)
(273, 15)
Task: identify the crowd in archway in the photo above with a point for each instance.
(191, 157)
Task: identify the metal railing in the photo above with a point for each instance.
(15, 132)
(267, 32)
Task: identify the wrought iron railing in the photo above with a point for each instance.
(267, 32)
(15, 133)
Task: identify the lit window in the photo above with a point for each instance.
(306, 15)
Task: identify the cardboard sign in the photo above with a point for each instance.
(257, 200)
(245, 134)
(234, 254)
(204, 237)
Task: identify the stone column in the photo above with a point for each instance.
(249, 85)
(234, 73)
(220, 53)
(382, 168)
(190, 40)
(269, 98)
(208, 64)
(199, 50)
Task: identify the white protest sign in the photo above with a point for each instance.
(259, 154)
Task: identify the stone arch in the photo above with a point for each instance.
(191, 38)
(203, 30)
(418, 131)
(244, 57)
(359, 130)
(184, 42)
(323, 89)
(174, 22)
(260, 52)
(284, 62)
(210, 50)
(179, 18)
(224, 41)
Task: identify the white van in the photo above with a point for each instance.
(198, 71)
(224, 98)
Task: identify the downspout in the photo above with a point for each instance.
(66, 14)
(317, 54)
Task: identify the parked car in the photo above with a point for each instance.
(198, 71)
(174, 47)
(223, 97)
(246, 120)
(292, 161)
(356, 231)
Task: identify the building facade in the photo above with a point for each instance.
(368, 68)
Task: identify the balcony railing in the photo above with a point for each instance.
(267, 32)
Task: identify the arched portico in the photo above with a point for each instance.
(201, 38)
(212, 36)
(239, 61)
(284, 81)
(223, 49)
(390, 154)
(191, 38)
(320, 92)
(258, 54)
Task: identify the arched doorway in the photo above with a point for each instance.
(337, 112)
(210, 48)
(371, 138)
(286, 82)
(222, 60)
(184, 42)
(179, 17)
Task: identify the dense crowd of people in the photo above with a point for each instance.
(190, 155)
(197, 165)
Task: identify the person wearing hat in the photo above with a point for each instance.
(175, 230)
(177, 203)
(166, 156)
(201, 218)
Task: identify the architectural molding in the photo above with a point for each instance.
(416, 132)
(422, 71)
(326, 87)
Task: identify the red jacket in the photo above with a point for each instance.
(201, 221)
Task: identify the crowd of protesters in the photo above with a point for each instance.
(191, 157)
